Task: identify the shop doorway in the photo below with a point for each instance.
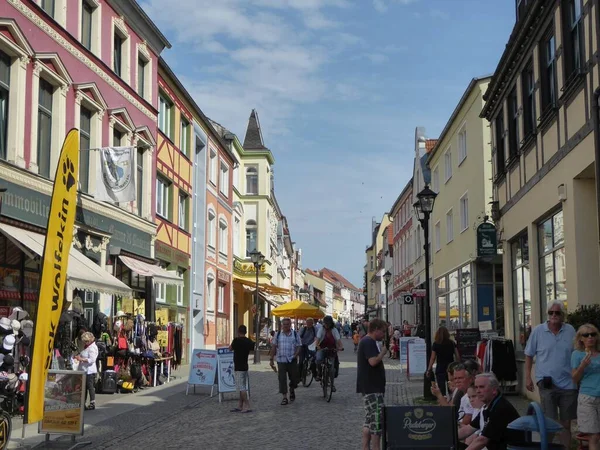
(236, 320)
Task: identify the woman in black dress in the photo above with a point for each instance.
(444, 351)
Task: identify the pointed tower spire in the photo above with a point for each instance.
(253, 139)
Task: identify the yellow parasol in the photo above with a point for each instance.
(453, 314)
(297, 309)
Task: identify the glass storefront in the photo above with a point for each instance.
(454, 293)
(553, 272)
(521, 289)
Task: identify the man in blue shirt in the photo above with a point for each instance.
(551, 343)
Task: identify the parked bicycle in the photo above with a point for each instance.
(328, 373)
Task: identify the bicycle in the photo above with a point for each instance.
(5, 429)
(306, 375)
(328, 373)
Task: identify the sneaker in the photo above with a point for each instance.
(90, 407)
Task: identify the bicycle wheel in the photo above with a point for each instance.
(324, 379)
(331, 377)
(5, 429)
(307, 376)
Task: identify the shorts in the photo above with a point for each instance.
(241, 381)
(374, 413)
(558, 404)
(588, 414)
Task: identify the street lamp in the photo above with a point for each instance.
(423, 208)
(258, 260)
(387, 277)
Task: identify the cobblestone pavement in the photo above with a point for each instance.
(197, 420)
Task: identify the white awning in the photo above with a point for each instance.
(82, 272)
(159, 274)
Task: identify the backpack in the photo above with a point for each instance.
(100, 324)
(279, 332)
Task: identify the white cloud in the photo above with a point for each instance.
(382, 6)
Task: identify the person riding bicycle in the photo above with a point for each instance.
(308, 333)
(328, 337)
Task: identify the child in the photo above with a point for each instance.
(241, 346)
(355, 339)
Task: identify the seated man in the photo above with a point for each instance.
(493, 419)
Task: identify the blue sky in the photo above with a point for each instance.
(340, 86)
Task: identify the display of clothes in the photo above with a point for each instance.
(497, 355)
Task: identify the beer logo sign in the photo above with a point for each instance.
(420, 424)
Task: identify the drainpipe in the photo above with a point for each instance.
(596, 122)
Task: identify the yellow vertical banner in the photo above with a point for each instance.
(59, 236)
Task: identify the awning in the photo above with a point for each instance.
(159, 274)
(82, 272)
(266, 297)
(263, 287)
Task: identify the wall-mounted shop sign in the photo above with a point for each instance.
(223, 276)
(30, 206)
(167, 253)
(487, 240)
(246, 268)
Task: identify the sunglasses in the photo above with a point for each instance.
(587, 335)
(554, 313)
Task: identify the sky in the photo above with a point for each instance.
(339, 86)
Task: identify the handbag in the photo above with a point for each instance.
(122, 343)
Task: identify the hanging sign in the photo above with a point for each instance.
(203, 368)
(487, 240)
(64, 397)
(225, 374)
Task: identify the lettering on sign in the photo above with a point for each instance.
(223, 276)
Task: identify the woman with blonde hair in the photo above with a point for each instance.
(585, 362)
(444, 351)
(87, 363)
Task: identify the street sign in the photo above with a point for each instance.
(487, 240)
(407, 299)
(419, 292)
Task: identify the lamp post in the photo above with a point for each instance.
(387, 277)
(423, 208)
(258, 260)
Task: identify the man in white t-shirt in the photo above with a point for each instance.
(463, 379)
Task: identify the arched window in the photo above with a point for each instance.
(252, 180)
(210, 292)
(212, 238)
(223, 237)
(251, 230)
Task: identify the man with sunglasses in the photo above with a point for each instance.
(551, 344)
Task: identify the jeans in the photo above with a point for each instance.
(89, 386)
(321, 357)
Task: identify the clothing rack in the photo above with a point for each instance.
(497, 354)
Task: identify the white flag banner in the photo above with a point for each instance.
(115, 175)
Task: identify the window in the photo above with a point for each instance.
(573, 38)
(522, 292)
(553, 272)
(454, 296)
(500, 163)
(184, 137)
(548, 61)
(252, 181)
(161, 292)
(462, 145)
(117, 137)
(513, 125)
(221, 298)
(162, 198)
(85, 131)
(236, 235)
(223, 244)
(372, 263)
(48, 6)
(165, 108)
(4, 94)
(180, 287)
(212, 167)
(87, 13)
(141, 76)
(251, 234)
(448, 164)
(224, 180)
(183, 211)
(528, 88)
(212, 218)
(44, 127)
(438, 236)
(449, 226)
(140, 181)
(210, 292)
(435, 179)
(118, 54)
(464, 212)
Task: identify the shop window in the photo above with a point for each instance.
(553, 272)
(85, 133)
(252, 181)
(522, 291)
(221, 295)
(212, 229)
(4, 95)
(251, 236)
(210, 292)
(180, 288)
(163, 201)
